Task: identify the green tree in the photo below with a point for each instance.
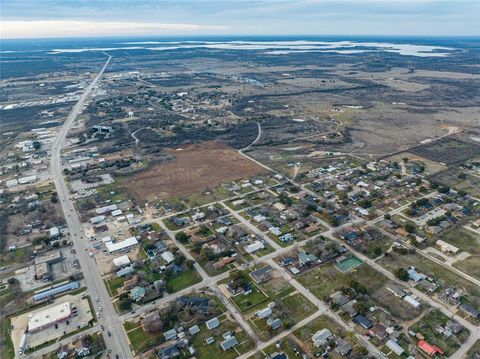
(125, 304)
(182, 237)
(409, 227)
(402, 274)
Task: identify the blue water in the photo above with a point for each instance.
(29, 45)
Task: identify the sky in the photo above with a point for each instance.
(70, 18)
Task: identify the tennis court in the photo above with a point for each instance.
(348, 264)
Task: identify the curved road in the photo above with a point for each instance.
(117, 342)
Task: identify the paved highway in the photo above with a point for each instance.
(117, 342)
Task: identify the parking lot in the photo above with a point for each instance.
(81, 319)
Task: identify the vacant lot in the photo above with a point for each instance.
(448, 151)
(462, 238)
(431, 167)
(194, 169)
(326, 280)
(468, 182)
(471, 265)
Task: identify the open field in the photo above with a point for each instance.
(470, 265)
(195, 168)
(431, 167)
(462, 238)
(140, 340)
(326, 280)
(469, 184)
(448, 151)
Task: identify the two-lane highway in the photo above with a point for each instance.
(117, 341)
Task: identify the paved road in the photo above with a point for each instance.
(211, 282)
(474, 330)
(117, 342)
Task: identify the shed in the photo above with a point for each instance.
(194, 330)
(212, 323)
(170, 334)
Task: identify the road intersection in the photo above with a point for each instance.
(108, 317)
(113, 322)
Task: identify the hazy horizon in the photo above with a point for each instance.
(106, 18)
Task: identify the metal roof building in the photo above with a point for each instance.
(123, 245)
(121, 261)
(54, 291)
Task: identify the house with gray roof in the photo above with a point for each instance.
(212, 323)
(229, 343)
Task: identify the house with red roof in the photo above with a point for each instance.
(431, 350)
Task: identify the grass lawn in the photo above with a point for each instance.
(119, 192)
(286, 346)
(326, 280)
(462, 238)
(248, 302)
(200, 199)
(213, 350)
(130, 325)
(183, 280)
(305, 335)
(263, 252)
(115, 284)
(209, 268)
(474, 349)
(378, 246)
(141, 341)
(426, 326)
(171, 224)
(290, 308)
(10, 349)
(470, 265)
(298, 305)
(156, 227)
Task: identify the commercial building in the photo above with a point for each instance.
(447, 247)
(49, 316)
(412, 301)
(56, 290)
(42, 264)
(106, 209)
(122, 246)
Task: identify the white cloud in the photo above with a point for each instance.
(67, 28)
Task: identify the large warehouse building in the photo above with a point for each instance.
(121, 246)
(49, 316)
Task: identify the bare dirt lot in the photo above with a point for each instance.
(195, 168)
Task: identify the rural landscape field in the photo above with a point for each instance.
(190, 180)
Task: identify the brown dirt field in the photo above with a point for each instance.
(195, 168)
